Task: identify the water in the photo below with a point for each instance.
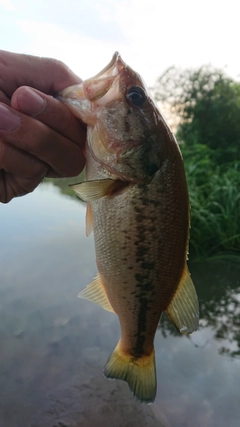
(54, 345)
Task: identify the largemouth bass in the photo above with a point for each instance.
(138, 207)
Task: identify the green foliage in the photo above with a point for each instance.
(207, 105)
(214, 193)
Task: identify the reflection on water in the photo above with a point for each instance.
(218, 285)
(54, 346)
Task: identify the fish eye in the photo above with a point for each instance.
(136, 95)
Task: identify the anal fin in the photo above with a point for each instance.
(183, 310)
(95, 292)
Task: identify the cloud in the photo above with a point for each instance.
(7, 4)
(150, 36)
(182, 33)
(84, 55)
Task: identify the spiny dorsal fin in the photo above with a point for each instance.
(93, 190)
(183, 310)
(89, 220)
(95, 292)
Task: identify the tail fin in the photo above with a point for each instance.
(139, 373)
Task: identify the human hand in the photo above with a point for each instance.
(39, 136)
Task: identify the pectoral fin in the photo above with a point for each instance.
(94, 190)
(95, 292)
(183, 309)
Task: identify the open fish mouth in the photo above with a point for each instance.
(100, 89)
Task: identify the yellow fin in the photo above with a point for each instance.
(139, 373)
(183, 309)
(93, 190)
(95, 292)
(89, 220)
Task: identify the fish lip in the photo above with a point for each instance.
(104, 86)
(99, 89)
(115, 61)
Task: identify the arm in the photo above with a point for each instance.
(39, 136)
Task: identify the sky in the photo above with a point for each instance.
(150, 35)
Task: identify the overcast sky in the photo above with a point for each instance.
(150, 35)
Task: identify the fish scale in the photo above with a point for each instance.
(138, 209)
(136, 222)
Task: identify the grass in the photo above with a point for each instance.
(214, 193)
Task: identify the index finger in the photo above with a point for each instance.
(45, 74)
(54, 113)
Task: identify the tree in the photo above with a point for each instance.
(207, 104)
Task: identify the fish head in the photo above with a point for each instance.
(126, 133)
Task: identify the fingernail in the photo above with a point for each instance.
(9, 120)
(30, 103)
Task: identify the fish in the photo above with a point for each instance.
(138, 208)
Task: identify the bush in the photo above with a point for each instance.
(206, 103)
(214, 193)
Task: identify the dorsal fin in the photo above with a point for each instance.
(183, 310)
(95, 292)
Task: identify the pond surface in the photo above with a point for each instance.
(53, 346)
